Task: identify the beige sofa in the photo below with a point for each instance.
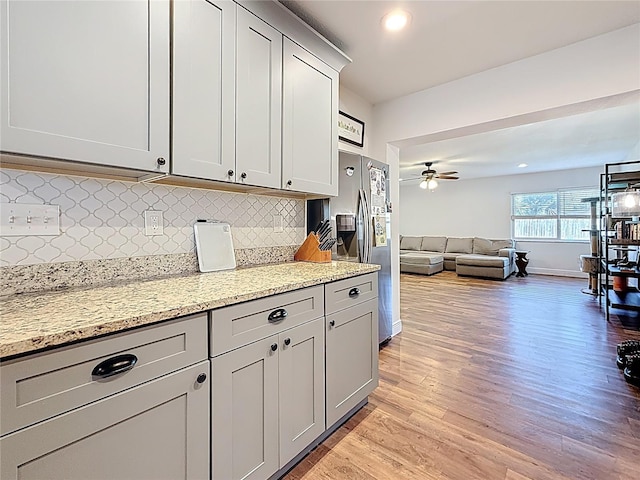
(477, 257)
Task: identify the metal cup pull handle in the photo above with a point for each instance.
(115, 365)
(277, 315)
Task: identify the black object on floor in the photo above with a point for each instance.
(632, 371)
(624, 349)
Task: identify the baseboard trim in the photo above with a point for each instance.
(557, 272)
(396, 328)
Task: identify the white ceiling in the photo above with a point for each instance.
(447, 40)
(583, 140)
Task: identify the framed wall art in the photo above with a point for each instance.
(350, 129)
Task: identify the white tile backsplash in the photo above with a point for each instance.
(103, 219)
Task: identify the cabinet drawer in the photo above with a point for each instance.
(50, 383)
(350, 291)
(238, 325)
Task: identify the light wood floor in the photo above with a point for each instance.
(507, 380)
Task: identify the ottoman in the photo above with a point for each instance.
(483, 266)
(421, 262)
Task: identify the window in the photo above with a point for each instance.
(559, 215)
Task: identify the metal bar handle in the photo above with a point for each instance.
(277, 315)
(115, 365)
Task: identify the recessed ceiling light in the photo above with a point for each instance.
(523, 165)
(396, 20)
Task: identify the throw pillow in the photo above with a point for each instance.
(433, 244)
(459, 245)
(410, 243)
(484, 246)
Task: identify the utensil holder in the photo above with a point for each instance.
(309, 251)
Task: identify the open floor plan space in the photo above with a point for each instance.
(511, 380)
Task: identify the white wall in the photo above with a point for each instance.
(482, 207)
(603, 66)
(357, 107)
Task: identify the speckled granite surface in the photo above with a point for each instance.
(34, 321)
(61, 275)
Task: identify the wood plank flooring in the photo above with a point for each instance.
(511, 380)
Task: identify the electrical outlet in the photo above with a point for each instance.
(153, 223)
(278, 223)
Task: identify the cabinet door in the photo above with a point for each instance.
(352, 358)
(203, 89)
(86, 81)
(244, 403)
(301, 388)
(309, 122)
(258, 102)
(158, 430)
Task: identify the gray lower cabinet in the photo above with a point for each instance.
(157, 430)
(351, 357)
(267, 402)
(301, 393)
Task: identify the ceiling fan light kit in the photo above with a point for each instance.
(429, 177)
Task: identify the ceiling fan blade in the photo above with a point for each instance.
(448, 178)
(448, 173)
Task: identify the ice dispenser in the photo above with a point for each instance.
(347, 245)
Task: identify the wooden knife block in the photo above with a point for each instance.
(309, 251)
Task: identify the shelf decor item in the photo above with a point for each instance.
(625, 204)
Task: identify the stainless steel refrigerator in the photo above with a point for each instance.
(361, 221)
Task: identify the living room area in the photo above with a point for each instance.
(510, 377)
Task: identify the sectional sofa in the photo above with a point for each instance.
(476, 257)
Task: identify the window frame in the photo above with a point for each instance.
(558, 217)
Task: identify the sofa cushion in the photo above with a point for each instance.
(410, 243)
(422, 259)
(459, 245)
(482, 261)
(433, 244)
(484, 246)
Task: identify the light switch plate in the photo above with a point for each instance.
(278, 224)
(20, 219)
(153, 223)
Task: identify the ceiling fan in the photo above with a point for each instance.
(430, 175)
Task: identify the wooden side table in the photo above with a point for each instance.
(521, 262)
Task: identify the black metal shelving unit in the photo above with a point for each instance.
(625, 303)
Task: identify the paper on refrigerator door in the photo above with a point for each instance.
(378, 191)
(379, 230)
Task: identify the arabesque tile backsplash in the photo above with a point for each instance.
(103, 219)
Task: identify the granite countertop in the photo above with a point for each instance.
(31, 322)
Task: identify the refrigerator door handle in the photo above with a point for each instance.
(362, 218)
(367, 228)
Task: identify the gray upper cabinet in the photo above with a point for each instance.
(258, 102)
(203, 89)
(86, 81)
(310, 122)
